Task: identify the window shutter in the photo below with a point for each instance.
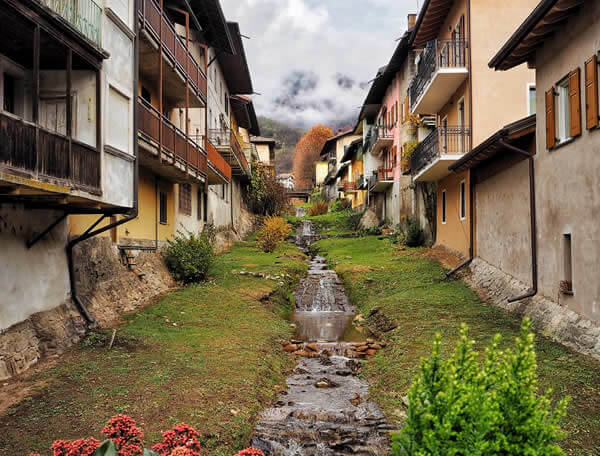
(406, 108)
(574, 103)
(591, 93)
(550, 118)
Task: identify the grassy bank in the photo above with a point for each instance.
(206, 355)
(409, 287)
(342, 223)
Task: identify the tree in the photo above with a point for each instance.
(307, 153)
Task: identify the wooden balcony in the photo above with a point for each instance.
(176, 52)
(219, 171)
(441, 70)
(172, 145)
(348, 187)
(30, 151)
(85, 16)
(228, 145)
(441, 148)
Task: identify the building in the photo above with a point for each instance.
(560, 40)
(265, 151)
(321, 170)
(388, 132)
(287, 180)
(66, 147)
(333, 152)
(469, 101)
(352, 182)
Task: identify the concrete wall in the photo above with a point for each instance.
(321, 170)
(503, 235)
(36, 279)
(264, 153)
(567, 193)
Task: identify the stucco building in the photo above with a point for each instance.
(453, 41)
(560, 40)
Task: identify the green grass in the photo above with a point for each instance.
(411, 288)
(330, 224)
(215, 370)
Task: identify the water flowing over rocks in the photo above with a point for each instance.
(325, 410)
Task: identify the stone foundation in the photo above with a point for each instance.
(105, 284)
(549, 318)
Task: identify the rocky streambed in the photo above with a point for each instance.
(325, 411)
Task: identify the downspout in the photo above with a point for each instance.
(132, 214)
(533, 223)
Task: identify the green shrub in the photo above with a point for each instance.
(415, 236)
(319, 208)
(340, 205)
(353, 220)
(274, 230)
(461, 406)
(372, 231)
(189, 255)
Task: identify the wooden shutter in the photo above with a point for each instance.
(406, 109)
(591, 93)
(550, 119)
(396, 112)
(574, 103)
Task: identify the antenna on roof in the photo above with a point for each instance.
(244, 36)
(256, 93)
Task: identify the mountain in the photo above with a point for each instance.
(286, 136)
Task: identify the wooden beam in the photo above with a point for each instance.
(36, 74)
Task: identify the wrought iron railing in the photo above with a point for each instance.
(437, 54)
(442, 140)
(84, 15)
(378, 133)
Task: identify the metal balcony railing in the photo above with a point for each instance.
(378, 133)
(442, 140)
(438, 54)
(227, 138)
(381, 175)
(84, 15)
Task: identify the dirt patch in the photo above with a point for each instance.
(447, 258)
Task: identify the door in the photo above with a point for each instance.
(458, 36)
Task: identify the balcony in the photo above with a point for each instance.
(443, 146)
(348, 187)
(175, 49)
(380, 138)
(440, 72)
(219, 171)
(171, 145)
(228, 145)
(85, 16)
(381, 180)
(33, 152)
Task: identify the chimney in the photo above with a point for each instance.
(412, 20)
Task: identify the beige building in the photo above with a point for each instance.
(567, 167)
(265, 151)
(470, 101)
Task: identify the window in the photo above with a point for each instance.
(146, 95)
(199, 197)
(118, 123)
(444, 207)
(531, 108)
(563, 114)
(162, 197)
(205, 206)
(9, 93)
(226, 101)
(567, 283)
(185, 199)
(463, 200)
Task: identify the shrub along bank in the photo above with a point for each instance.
(206, 355)
(408, 288)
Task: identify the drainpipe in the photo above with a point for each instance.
(89, 233)
(533, 223)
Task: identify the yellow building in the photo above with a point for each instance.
(321, 170)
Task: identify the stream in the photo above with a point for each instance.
(325, 410)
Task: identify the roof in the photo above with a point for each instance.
(235, 66)
(263, 140)
(544, 20)
(351, 149)
(492, 146)
(342, 168)
(285, 176)
(214, 26)
(430, 20)
(243, 110)
(330, 141)
(383, 78)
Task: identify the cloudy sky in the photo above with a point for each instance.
(312, 59)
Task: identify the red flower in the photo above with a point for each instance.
(127, 437)
(182, 451)
(181, 436)
(82, 447)
(250, 452)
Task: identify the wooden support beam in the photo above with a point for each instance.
(36, 74)
(69, 107)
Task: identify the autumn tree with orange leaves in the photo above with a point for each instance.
(307, 153)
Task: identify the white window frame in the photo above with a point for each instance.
(462, 199)
(563, 114)
(444, 207)
(530, 85)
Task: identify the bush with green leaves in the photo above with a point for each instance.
(189, 255)
(489, 407)
(340, 205)
(414, 234)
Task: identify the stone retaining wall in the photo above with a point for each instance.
(549, 318)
